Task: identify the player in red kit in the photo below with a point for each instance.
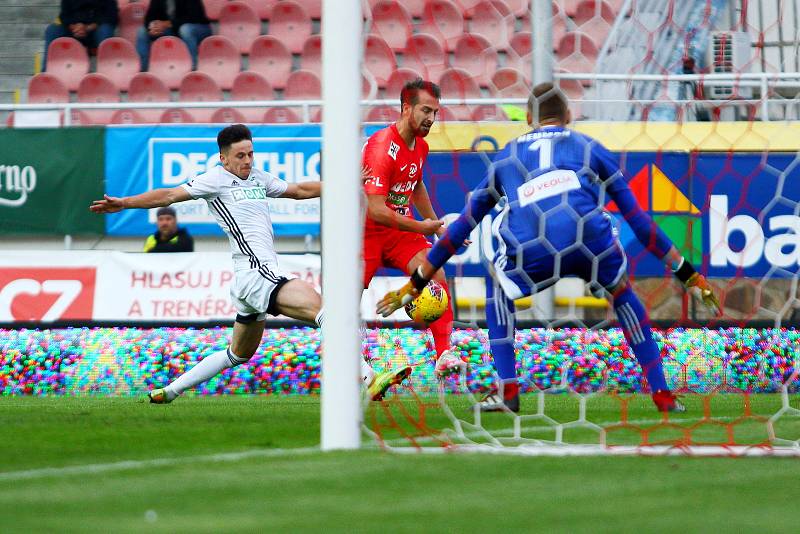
(394, 158)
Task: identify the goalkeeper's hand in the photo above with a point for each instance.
(697, 284)
(394, 300)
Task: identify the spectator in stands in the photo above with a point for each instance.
(88, 21)
(168, 237)
(184, 18)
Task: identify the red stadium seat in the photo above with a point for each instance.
(577, 52)
(176, 116)
(213, 8)
(270, 58)
(303, 85)
(281, 115)
(369, 87)
(425, 55)
(239, 23)
(493, 21)
(251, 86)
(44, 88)
(392, 22)
(519, 53)
(476, 55)
(117, 59)
(444, 21)
(145, 87)
(594, 18)
(131, 18)
(229, 116)
(96, 88)
(170, 60)
(415, 8)
(261, 7)
(519, 8)
(199, 87)
(79, 118)
(558, 23)
(68, 61)
(510, 83)
(378, 59)
(487, 113)
(569, 7)
(521, 43)
(467, 7)
(127, 116)
(397, 80)
(218, 57)
(311, 58)
(383, 114)
(458, 83)
(290, 23)
(313, 8)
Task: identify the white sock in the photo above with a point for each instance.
(205, 369)
(367, 373)
(320, 318)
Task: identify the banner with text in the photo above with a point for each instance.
(48, 179)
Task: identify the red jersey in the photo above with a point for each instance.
(396, 169)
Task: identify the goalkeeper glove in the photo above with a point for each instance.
(697, 284)
(394, 300)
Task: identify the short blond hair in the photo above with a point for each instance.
(547, 101)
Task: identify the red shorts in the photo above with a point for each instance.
(386, 247)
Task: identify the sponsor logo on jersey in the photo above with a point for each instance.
(394, 148)
(250, 193)
(404, 187)
(15, 184)
(396, 199)
(547, 185)
(413, 170)
(233, 184)
(46, 294)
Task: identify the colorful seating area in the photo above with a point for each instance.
(271, 50)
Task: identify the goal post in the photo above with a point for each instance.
(341, 225)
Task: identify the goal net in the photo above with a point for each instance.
(697, 102)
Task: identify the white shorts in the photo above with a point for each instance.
(254, 291)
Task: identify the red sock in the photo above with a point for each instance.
(510, 389)
(442, 327)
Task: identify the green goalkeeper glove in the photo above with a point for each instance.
(697, 284)
(394, 300)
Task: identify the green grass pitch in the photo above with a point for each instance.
(184, 473)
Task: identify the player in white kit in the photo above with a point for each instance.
(237, 194)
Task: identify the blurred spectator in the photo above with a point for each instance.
(184, 18)
(88, 21)
(168, 237)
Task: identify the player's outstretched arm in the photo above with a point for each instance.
(151, 199)
(303, 190)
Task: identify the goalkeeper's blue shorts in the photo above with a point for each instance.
(601, 263)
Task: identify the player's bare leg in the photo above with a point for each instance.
(447, 362)
(299, 300)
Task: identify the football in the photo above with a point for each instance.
(429, 305)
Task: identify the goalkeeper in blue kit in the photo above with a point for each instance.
(552, 184)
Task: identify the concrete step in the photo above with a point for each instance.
(23, 30)
(18, 65)
(25, 3)
(10, 82)
(20, 47)
(28, 14)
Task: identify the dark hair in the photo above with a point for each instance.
(233, 134)
(166, 210)
(410, 92)
(547, 102)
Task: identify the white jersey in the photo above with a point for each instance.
(240, 208)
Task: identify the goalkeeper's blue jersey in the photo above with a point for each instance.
(555, 183)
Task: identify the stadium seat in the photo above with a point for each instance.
(519, 54)
(493, 21)
(170, 60)
(79, 118)
(131, 18)
(369, 87)
(199, 87)
(397, 80)
(487, 113)
(213, 8)
(519, 8)
(127, 116)
(444, 21)
(425, 55)
(569, 7)
(459, 84)
(313, 8)
(392, 22)
(415, 8)
(261, 7)
(476, 55)
(96, 88)
(467, 7)
(230, 116)
(311, 58)
(378, 59)
(594, 18)
(219, 58)
(577, 52)
(510, 83)
(270, 58)
(303, 85)
(281, 115)
(239, 23)
(68, 61)
(145, 87)
(290, 23)
(251, 86)
(44, 88)
(117, 59)
(383, 114)
(176, 116)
